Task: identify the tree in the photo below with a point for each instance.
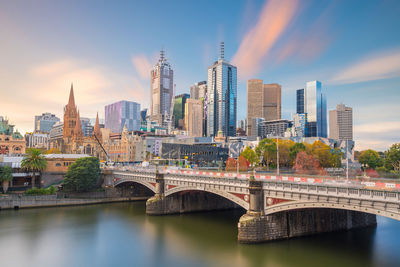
(370, 158)
(322, 153)
(392, 160)
(5, 177)
(243, 164)
(296, 148)
(250, 155)
(307, 164)
(336, 158)
(230, 164)
(284, 152)
(267, 150)
(34, 162)
(82, 175)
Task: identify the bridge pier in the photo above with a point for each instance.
(252, 225)
(255, 227)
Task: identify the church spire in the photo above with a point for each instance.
(97, 126)
(78, 128)
(71, 101)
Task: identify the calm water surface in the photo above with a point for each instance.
(122, 235)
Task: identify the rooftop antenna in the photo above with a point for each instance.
(162, 54)
(222, 50)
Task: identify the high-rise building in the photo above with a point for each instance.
(314, 104)
(274, 128)
(162, 91)
(44, 122)
(143, 115)
(179, 110)
(198, 90)
(221, 97)
(263, 101)
(256, 123)
(341, 123)
(194, 117)
(120, 113)
(299, 124)
(300, 101)
(87, 128)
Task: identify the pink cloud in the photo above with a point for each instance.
(382, 65)
(142, 66)
(45, 88)
(257, 43)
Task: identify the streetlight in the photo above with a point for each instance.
(347, 160)
(277, 155)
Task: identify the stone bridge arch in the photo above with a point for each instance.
(393, 213)
(239, 199)
(132, 180)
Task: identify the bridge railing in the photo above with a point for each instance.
(389, 185)
(327, 190)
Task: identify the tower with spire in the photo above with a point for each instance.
(96, 129)
(162, 90)
(70, 115)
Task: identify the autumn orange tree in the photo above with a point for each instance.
(308, 164)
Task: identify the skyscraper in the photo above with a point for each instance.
(263, 101)
(179, 110)
(44, 122)
(221, 97)
(300, 101)
(120, 113)
(314, 104)
(198, 90)
(162, 91)
(87, 128)
(341, 123)
(194, 117)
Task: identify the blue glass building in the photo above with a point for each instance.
(315, 108)
(300, 101)
(222, 98)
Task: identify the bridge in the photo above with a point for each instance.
(276, 206)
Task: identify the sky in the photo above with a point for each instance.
(107, 48)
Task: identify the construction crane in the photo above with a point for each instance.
(98, 141)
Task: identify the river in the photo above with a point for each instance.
(120, 234)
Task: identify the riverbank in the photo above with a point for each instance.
(23, 201)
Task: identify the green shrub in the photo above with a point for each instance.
(42, 191)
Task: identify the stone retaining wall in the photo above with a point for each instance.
(16, 202)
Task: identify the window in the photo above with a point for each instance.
(58, 164)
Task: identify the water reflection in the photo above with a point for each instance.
(122, 235)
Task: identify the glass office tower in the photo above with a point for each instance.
(120, 113)
(315, 107)
(300, 101)
(221, 97)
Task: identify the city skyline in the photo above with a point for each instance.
(358, 65)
